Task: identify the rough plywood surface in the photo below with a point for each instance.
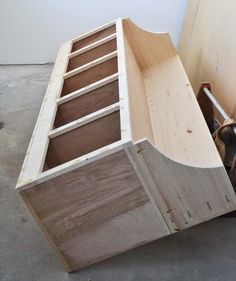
(96, 211)
(184, 195)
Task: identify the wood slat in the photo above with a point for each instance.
(93, 36)
(89, 76)
(90, 65)
(92, 46)
(34, 159)
(84, 120)
(88, 103)
(87, 89)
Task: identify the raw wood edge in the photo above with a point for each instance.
(44, 230)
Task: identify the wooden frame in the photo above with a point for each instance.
(135, 165)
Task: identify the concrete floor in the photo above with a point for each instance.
(205, 252)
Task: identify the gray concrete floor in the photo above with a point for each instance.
(205, 252)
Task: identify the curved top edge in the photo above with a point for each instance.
(161, 33)
(178, 126)
(144, 44)
(177, 162)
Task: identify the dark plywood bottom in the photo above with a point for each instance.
(83, 140)
(92, 54)
(89, 76)
(93, 38)
(87, 103)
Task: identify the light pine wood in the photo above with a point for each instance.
(207, 48)
(193, 197)
(140, 117)
(35, 155)
(121, 154)
(125, 124)
(176, 125)
(144, 45)
(181, 134)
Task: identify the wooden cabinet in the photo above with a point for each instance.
(121, 154)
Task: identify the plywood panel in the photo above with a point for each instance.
(83, 140)
(93, 38)
(184, 195)
(92, 54)
(87, 103)
(89, 76)
(207, 48)
(96, 211)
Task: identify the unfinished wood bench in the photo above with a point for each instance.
(121, 154)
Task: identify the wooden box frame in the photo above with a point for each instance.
(121, 154)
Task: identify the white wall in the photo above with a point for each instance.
(31, 31)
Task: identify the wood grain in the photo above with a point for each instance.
(91, 55)
(140, 117)
(93, 38)
(118, 175)
(87, 103)
(148, 47)
(207, 48)
(96, 211)
(166, 110)
(83, 140)
(89, 76)
(184, 195)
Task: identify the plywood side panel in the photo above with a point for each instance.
(96, 211)
(184, 195)
(207, 48)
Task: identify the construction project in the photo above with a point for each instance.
(121, 154)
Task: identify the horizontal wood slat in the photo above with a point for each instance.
(92, 46)
(85, 120)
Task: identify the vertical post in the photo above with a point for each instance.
(123, 85)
